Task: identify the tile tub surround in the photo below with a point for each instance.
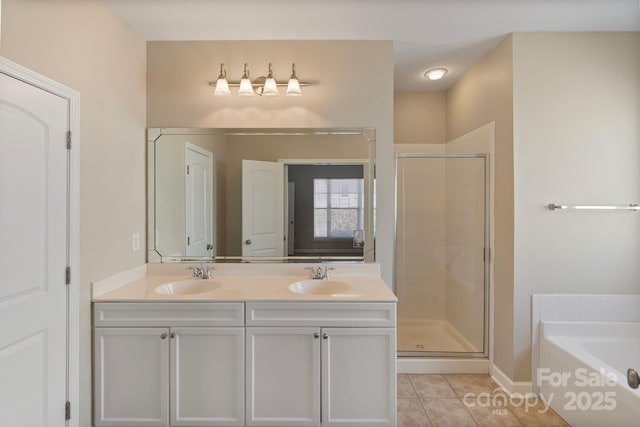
(438, 400)
(243, 282)
(578, 307)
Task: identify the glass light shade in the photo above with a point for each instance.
(293, 88)
(270, 88)
(246, 88)
(436, 73)
(222, 88)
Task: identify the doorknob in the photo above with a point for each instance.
(247, 242)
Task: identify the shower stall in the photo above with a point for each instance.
(442, 230)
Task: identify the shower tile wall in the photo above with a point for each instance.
(464, 240)
(421, 240)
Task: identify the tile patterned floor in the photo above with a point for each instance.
(460, 400)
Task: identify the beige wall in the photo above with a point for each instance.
(576, 141)
(178, 96)
(419, 117)
(85, 46)
(482, 95)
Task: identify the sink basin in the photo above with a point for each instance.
(187, 287)
(319, 287)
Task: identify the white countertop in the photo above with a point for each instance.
(250, 286)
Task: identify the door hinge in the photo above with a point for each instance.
(187, 169)
(68, 140)
(67, 411)
(68, 276)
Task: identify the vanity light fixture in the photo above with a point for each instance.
(222, 86)
(270, 87)
(246, 87)
(293, 87)
(267, 86)
(436, 73)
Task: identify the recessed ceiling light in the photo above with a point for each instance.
(436, 73)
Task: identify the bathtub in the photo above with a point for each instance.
(582, 371)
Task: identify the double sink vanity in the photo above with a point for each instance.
(254, 344)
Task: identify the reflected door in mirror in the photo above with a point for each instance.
(199, 206)
(262, 208)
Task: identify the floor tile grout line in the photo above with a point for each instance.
(420, 401)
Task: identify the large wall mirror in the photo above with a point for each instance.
(241, 195)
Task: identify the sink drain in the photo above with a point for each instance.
(420, 346)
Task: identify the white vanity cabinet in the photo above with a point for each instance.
(168, 364)
(245, 363)
(328, 364)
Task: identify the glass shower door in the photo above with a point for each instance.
(441, 241)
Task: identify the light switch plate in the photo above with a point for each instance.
(135, 242)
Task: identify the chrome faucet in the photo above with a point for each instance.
(201, 273)
(319, 272)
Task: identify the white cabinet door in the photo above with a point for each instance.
(207, 376)
(131, 377)
(358, 377)
(283, 376)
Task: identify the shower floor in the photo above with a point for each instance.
(431, 335)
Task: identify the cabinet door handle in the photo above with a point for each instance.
(173, 334)
(163, 336)
(316, 335)
(325, 336)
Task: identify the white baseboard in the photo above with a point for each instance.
(442, 366)
(511, 387)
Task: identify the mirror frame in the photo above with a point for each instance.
(368, 256)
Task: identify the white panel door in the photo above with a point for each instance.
(199, 200)
(262, 208)
(33, 255)
(283, 377)
(359, 377)
(207, 377)
(131, 377)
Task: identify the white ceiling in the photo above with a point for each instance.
(426, 33)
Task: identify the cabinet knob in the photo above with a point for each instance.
(316, 335)
(163, 336)
(248, 242)
(173, 334)
(325, 336)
